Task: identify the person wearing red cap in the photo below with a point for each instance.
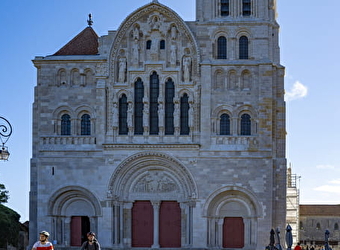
(91, 243)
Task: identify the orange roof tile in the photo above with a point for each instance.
(85, 43)
(319, 210)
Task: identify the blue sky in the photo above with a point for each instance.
(309, 40)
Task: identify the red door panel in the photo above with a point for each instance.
(233, 232)
(142, 224)
(76, 231)
(170, 224)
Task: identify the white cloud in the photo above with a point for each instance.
(335, 182)
(296, 92)
(329, 189)
(325, 167)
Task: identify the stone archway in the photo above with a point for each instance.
(232, 209)
(160, 180)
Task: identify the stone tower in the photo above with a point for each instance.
(163, 133)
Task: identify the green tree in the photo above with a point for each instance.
(9, 222)
(3, 194)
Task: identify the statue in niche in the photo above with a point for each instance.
(135, 52)
(122, 69)
(136, 33)
(186, 68)
(115, 115)
(173, 33)
(155, 23)
(129, 115)
(173, 54)
(161, 115)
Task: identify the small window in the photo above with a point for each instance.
(148, 44)
(336, 226)
(245, 124)
(224, 124)
(85, 124)
(225, 8)
(65, 125)
(243, 47)
(318, 226)
(301, 225)
(221, 48)
(162, 44)
(184, 116)
(246, 7)
(123, 107)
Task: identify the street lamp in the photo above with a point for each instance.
(5, 133)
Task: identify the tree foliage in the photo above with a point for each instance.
(3, 194)
(9, 227)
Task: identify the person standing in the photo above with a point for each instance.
(91, 243)
(298, 247)
(43, 243)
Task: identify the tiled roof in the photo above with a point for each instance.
(319, 210)
(85, 43)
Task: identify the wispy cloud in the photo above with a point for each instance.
(325, 167)
(297, 91)
(329, 188)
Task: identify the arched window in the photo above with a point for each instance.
(184, 116)
(169, 107)
(246, 7)
(225, 124)
(221, 48)
(154, 93)
(138, 115)
(65, 125)
(243, 47)
(224, 7)
(162, 44)
(336, 226)
(148, 44)
(301, 225)
(245, 124)
(123, 106)
(85, 125)
(318, 226)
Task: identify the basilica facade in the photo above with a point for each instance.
(163, 133)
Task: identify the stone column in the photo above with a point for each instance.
(156, 206)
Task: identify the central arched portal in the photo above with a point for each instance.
(153, 198)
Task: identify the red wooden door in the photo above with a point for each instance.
(233, 232)
(170, 224)
(142, 224)
(76, 231)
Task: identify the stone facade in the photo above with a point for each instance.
(167, 125)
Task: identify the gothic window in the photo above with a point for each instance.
(245, 124)
(154, 93)
(123, 106)
(224, 124)
(138, 112)
(169, 107)
(221, 48)
(246, 7)
(243, 47)
(148, 44)
(65, 125)
(225, 8)
(162, 44)
(85, 125)
(184, 116)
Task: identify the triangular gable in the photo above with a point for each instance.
(85, 43)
